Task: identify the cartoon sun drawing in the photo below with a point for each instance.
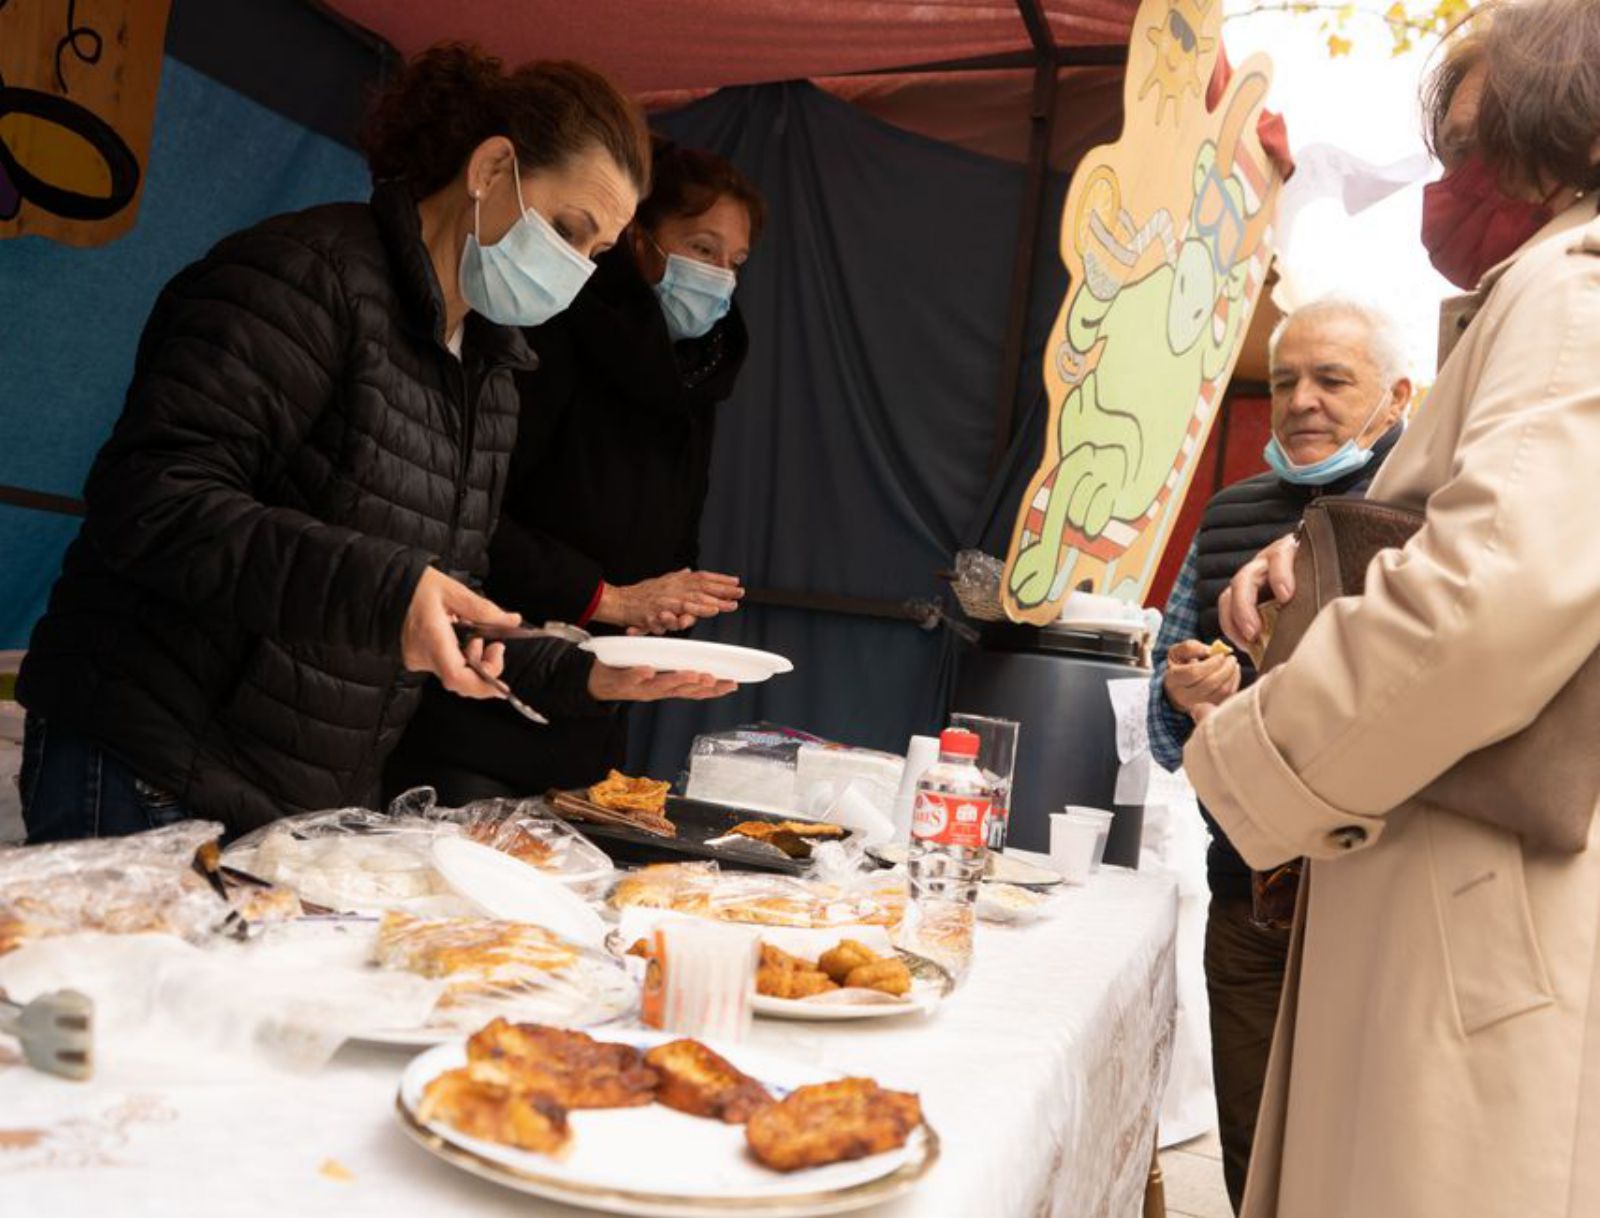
(1180, 49)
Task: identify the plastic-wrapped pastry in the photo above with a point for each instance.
(145, 882)
(878, 899)
(357, 859)
(476, 956)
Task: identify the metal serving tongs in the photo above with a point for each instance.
(467, 631)
(56, 1031)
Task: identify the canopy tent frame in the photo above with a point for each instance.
(1047, 59)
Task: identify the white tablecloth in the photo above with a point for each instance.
(1042, 1075)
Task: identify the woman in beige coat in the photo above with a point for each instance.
(1438, 1051)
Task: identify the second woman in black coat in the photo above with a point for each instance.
(601, 520)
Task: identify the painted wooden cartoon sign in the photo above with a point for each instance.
(78, 81)
(1164, 234)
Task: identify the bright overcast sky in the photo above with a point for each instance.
(1365, 103)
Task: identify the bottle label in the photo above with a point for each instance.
(950, 820)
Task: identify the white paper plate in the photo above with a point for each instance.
(930, 983)
(930, 986)
(721, 660)
(660, 1163)
(509, 889)
(1090, 624)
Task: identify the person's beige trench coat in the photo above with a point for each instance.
(1438, 1049)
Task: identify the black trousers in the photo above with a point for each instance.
(1244, 979)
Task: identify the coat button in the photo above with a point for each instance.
(1347, 837)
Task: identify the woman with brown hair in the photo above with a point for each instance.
(284, 526)
(602, 515)
(1438, 1048)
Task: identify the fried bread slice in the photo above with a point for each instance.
(703, 1083)
(572, 1068)
(482, 1108)
(831, 1122)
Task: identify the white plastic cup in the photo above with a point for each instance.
(922, 753)
(1102, 820)
(701, 979)
(1072, 843)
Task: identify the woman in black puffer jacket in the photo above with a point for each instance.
(283, 526)
(602, 515)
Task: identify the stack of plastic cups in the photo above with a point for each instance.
(923, 752)
(1101, 819)
(700, 980)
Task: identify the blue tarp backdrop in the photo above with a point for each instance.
(218, 163)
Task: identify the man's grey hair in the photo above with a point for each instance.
(1383, 336)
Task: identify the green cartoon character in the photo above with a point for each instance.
(1162, 338)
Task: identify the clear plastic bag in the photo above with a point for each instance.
(120, 885)
(358, 859)
(491, 968)
(976, 583)
(776, 769)
(850, 897)
(169, 1012)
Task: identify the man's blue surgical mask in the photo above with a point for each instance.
(1345, 460)
(694, 295)
(526, 277)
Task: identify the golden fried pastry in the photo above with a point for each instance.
(765, 900)
(13, 934)
(270, 904)
(623, 794)
(518, 841)
(766, 830)
(781, 975)
(572, 1068)
(848, 954)
(793, 983)
(888, 976)
(705, 1084)
(776, 958)
(489, 1110)
(830, 1122)
(1219, 647)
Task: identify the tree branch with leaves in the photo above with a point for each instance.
(1408, 22)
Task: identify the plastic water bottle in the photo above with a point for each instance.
(949, 827)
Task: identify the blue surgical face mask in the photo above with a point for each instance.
(1343, 461)
(526, 277)
(694, 295)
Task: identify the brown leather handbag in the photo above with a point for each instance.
(1544, 782)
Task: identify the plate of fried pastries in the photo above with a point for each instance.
(647, 1123)
(848, 981)
(843, 974)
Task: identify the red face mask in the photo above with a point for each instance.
(1469, 224)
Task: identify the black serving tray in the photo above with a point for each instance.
(698, 823)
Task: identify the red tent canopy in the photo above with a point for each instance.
(652, 45)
